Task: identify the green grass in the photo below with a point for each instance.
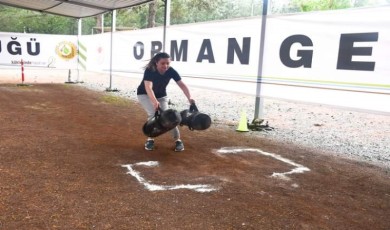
(115, 100)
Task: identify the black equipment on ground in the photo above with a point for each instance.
(162, 122)
(194, 119)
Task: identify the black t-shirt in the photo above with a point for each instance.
(160, 82)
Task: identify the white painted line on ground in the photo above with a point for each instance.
(298, 168)
(154, 187)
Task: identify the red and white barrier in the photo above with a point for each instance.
(22, 68)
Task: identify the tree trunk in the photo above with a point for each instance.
(99, 22)
(152, 14)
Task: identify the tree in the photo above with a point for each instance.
(20, 20)
(99, 23)
(362, 3)
(88, 24)
(189, 11)
(315, 5)
(152, 14)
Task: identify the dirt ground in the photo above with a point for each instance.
(71, 158)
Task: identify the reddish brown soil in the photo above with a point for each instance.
(62, 148)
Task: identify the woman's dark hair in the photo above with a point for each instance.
(156, 58)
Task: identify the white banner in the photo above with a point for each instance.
(39, 50)
(333, 57)
(198, 49)
(346, 49)
(336, 57)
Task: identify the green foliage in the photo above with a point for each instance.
(20, 20)
(135, 17)
(182, 11)
(315, 5)
(187, 11)
(114, 100)
(88, 24)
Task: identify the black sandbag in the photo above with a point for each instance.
(194, 119)
(162, 122)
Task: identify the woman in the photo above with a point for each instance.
(152, 92)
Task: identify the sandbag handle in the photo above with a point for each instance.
(158, 112)
(193, 108)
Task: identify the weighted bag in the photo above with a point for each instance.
(194, 119)
(162, 122)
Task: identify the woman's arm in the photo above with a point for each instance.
(186, 91)
(152, 97)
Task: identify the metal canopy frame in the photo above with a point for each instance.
(78, 9)
(73, 8)
(87, 8)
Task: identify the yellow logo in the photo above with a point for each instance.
(66, 50)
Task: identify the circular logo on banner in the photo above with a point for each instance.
(66, 50)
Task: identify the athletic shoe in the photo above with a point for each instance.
(149, 145)
(179, 146)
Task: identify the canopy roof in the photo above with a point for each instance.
(73, 8)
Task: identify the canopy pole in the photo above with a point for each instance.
(79, 31)
(168, 14)
(167, 20)
(259, 104)
(102, 23)
(113, 21)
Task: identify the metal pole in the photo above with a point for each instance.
(168, 16)
(79, 26)
(112, 32)
(79, 31)
(113, 22)
(165, 23)
(259, 100)
(252, 8)
(102, 25)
